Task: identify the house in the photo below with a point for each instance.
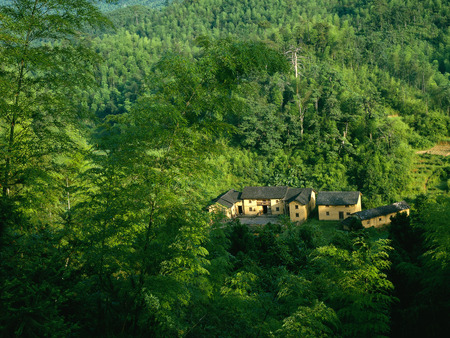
(301, 202)
(338, 205)
(264, 200)
(380, 216)
(229, 203)
(255, 201)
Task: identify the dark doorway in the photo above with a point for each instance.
(240, 209)
(341, 215)
(264, 209)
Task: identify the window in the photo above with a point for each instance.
(347, 206)
(250, 201)
(278, 209)
(296, 206)
(368, 222)
(379, 219)
(348, 213)
(328, 213)
(297, 215)
(250, 209)
(327, 206)
(278, 201)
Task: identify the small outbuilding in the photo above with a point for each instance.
(381, 216)
(229, 203)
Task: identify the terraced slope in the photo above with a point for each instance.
(432, 169)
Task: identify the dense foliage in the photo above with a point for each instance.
(363, 87)
(115, 134)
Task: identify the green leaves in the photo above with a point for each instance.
(237, 60)
(316, 321)
(41, 63)
(356, 285)
(437, 233)
(420, 267)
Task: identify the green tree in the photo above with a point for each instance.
(41, 62)
(316, 321)
(436, 291)
(356, 285)
(144, 223)
(42, 57)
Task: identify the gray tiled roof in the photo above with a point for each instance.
(253, 193)
(338, 197)
(292, 193)
(382, 211)
(229, 198)
(301, 195)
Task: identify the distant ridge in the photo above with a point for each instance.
(120, 4)
(126, 3)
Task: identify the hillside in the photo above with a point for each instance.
(356, 68)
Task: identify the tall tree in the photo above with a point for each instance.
(42, 60)
(145, 224)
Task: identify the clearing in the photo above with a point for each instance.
(442, 148)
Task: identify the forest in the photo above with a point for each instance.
(121, 120)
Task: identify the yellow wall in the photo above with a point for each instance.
(379, 221)
(232, 211)
(333, 211)
(274, 205)
(259, 210)
(250, 204)
(295, 208)
(312, 202)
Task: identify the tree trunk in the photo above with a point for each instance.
(301, 114)
(12, 127)
(20, 77)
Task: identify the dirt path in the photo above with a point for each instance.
(259, 220)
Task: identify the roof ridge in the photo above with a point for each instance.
(382, 210)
